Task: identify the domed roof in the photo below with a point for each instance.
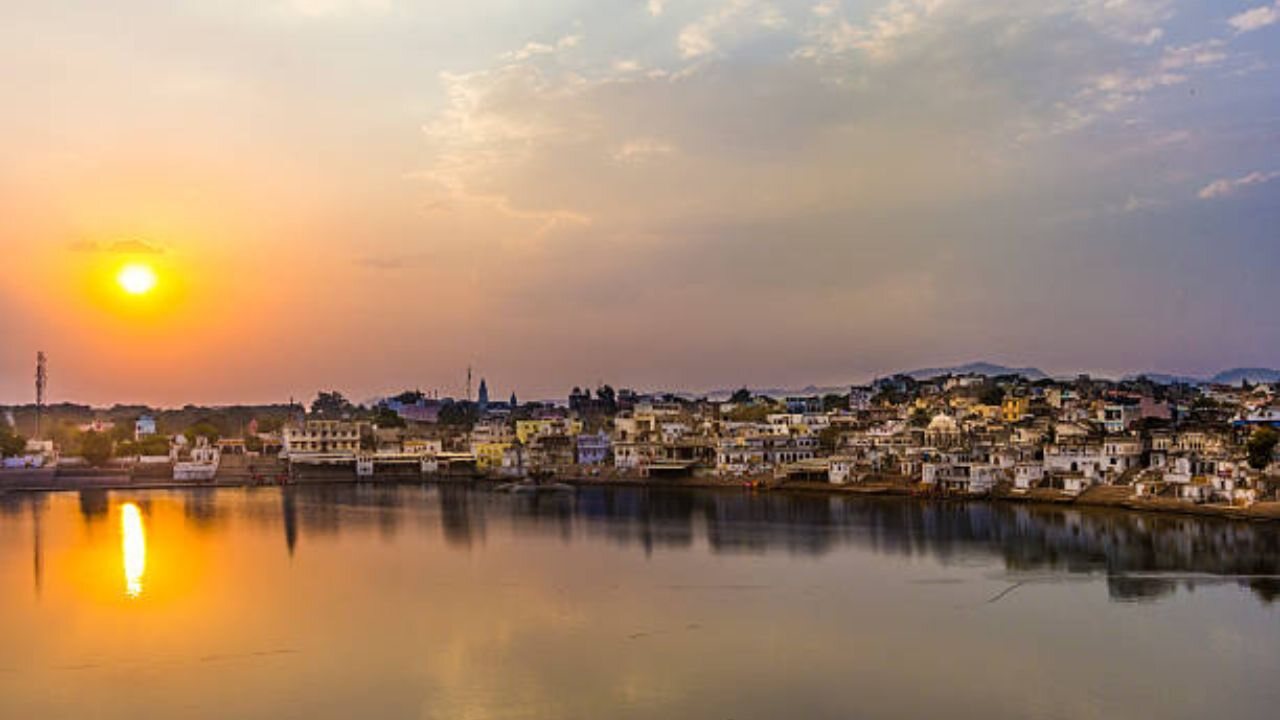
(943, 423)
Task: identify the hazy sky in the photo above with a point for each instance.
(373, 194)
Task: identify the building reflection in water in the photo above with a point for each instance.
(1141, 557)
(133, 548)
(461, 524)
(37, 556)
(94, 505)
(289, 510)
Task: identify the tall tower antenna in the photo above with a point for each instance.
(42, 379)
(468, 383)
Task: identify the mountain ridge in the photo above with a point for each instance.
(1231, 376)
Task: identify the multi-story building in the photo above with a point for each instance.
(527, 430)
(756, 453)
(593, 449)
(860, 398)
(489, 455)
(1013, 409)
(961, 472)
(321, 437)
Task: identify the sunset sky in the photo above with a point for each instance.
(370, 195)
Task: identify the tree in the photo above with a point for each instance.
(832, 401)
(888, 397)
(1261, 447)
(385, 417)
(96, 448)
(408, 397)
(608, 398)
(920, 417)
(66, 437)
(123, 430)
(151, 445)
(204, 429)
(829, 438)
(331, 406)
(740, 396)
(750, 413)
(11, 443)
(991, 394)
(459, 414)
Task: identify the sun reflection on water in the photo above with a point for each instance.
(133, 547)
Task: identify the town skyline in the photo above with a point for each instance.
(1227, 376)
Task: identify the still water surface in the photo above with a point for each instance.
(443, 602)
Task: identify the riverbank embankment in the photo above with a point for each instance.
(35, 481)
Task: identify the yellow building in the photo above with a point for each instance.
(1015, 408)
(489, 455)
(422, 446)
(986, 412)
(526, 430)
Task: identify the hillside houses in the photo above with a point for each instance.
(953, 434)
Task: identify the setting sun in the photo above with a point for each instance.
(136, 279)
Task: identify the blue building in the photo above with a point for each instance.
(593, 449)
(144, 426)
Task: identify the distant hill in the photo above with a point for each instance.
(1226, 377)
(1253, 375)
(1166, 379)
(978, 368)
(774, 392)
(989, 369)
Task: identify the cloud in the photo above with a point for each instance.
(119, 247)
(891, 145)
(950, 82)
(1136, 203)
(623, 67)
(1223, 187)
(1200, 54)
(1119, 88)
(1255, 18)
(529, 50)
(832, 35)
(1136, 22)
(534, 48)
(337, 8)
(732, 18)
(641, 150)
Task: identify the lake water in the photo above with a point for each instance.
(444, 602)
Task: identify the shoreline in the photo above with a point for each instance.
(1262, 512)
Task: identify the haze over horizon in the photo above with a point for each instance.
(371, 195)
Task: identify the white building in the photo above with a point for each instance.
(843, 469)
(143, 427)
(1121, 453)
(203, 465)
(1027, 475)
(956, 472)
(1074, 457)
